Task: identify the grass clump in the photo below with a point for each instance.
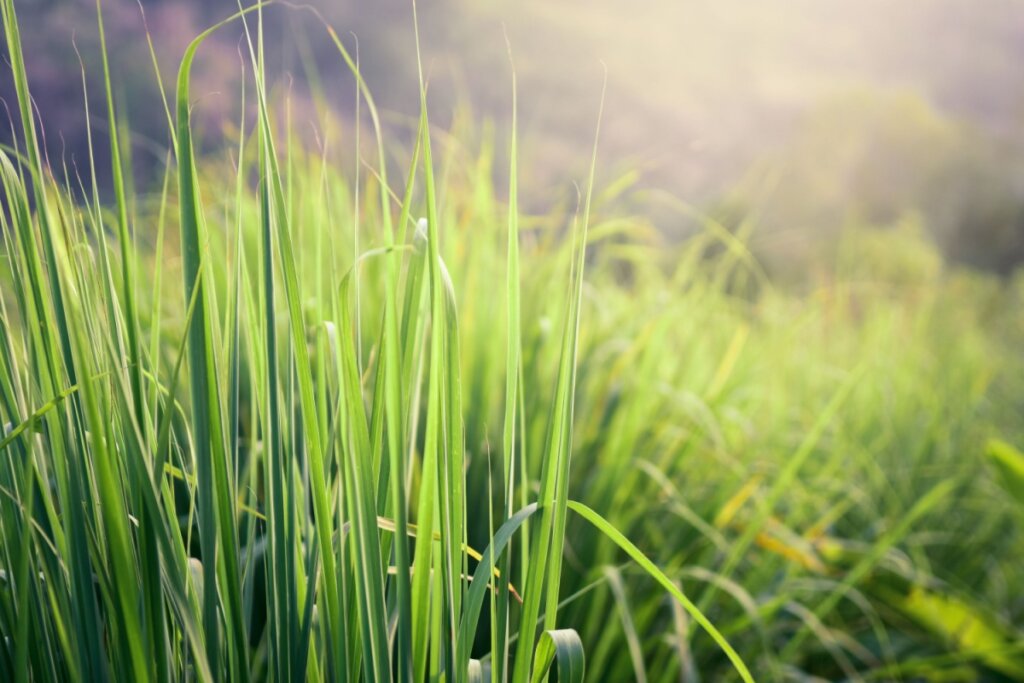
(283, 469)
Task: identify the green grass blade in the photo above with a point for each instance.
(563, 646)
(602, 525)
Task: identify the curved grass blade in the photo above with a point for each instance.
(475, 596)
(565, 646)
(616, 536)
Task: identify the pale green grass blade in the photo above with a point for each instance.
(563, 646)
(429, 604)
(1009, 462)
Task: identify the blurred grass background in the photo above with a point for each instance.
(807, 115)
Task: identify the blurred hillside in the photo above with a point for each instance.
(808, 116)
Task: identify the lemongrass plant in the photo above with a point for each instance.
(264, 422)
(234, 490)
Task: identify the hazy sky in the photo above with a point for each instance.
(715, 82)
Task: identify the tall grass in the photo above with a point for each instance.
(362, 445)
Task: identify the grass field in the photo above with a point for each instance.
(264, 422)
